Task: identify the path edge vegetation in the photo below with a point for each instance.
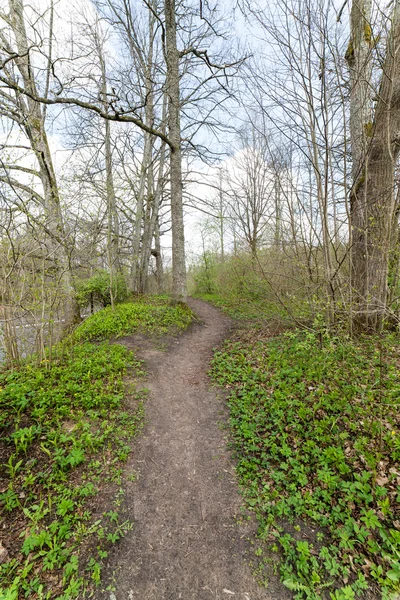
(315, 428)
(67, 422)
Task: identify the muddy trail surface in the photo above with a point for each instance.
(188, 541)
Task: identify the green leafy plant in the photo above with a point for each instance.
(316, 428)
(157, 318)
(67, 432)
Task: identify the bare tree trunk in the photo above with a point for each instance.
(137, 232)
(146, 173)
(320, 173)
(221, 215)
(34, 125)
(112, 213)
(159, 260)
(278, 211)
(9, 335)
(174, 130)
(359, 59)
(373, 199)
(394, 261)
(152, 220)
(112, 217)
(154, 201)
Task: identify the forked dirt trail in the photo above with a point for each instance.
(186, 542)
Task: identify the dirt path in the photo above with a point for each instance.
(185, 542)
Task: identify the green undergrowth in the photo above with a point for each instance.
(153, 315)
(316, 423)
(65, 431)
(254, 310)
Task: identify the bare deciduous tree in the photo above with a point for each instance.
(375, 150)
(17, 68)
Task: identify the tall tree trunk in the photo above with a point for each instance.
(394, 262)
(278, 210)
(154, 201)
(174, 129)
(221, 215)
(375, 150)
(159, 259)
(112, 213)
(112, 217)
(146, 172)
(34, 125)
(140, 205)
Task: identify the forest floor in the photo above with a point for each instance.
(191, 537)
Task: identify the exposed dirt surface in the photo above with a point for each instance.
(187, 542)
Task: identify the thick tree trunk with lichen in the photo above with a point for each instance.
(174, 130)
(34, 125)
(375, 149)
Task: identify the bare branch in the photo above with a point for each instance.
(19, 168)
(119, 116)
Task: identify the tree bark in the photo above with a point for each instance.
(154, 200)
(375, 150)
(174, 128)
(159, 259)
(34, 125)
(140, 203)
(112, 213)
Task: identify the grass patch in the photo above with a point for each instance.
(65, 431)
(153, 316)
(316, 427)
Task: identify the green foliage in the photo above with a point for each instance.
(98, 289)
(158, 317)
(64, 431)
(205, 274)
(273, 286)
(316, 427)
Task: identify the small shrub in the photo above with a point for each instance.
(98, 288)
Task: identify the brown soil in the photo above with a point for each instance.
(187, 541)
